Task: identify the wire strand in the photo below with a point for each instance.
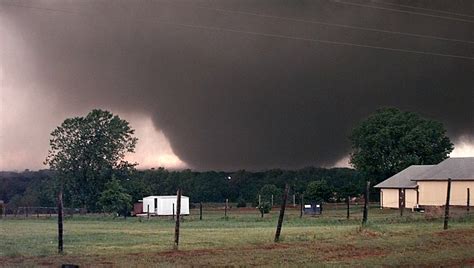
(402, 11)
(422, 8)
(325, 23)
(279, 36)
(316, 40)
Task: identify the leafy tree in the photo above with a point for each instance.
(114, 199)
(318, 191)
(269, 190)
(391, 140)
(86, 151)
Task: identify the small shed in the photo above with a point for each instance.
(137, 208)
(165, 205)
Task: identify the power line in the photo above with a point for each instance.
(329, 24)
(315, 40)
(42, 8)
(402, 11)
(425, 9)
(279, 36)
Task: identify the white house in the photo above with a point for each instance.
(426, 185)
(165, 205)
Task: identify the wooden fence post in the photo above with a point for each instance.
(302, 206)
(348, 201)
(60, 221)
(446, 209)
(148, 211)
(468, 199)
(225, 208)
(200, 211)
(178, 214)
(173, 211)
(282, 213)
(366, 202)
(294, 200)
(401, 200)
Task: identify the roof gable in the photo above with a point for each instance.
(457, 168)
(405, 178)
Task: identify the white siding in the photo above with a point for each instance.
(433, 193)
(164, 206)
(410, 198)
(389, 198)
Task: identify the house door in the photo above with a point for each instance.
(401, 195)
(156, 205)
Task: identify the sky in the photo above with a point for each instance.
(232, 84)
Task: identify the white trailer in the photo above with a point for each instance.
(163, 205)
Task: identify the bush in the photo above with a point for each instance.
(265, 207)
(241, 203)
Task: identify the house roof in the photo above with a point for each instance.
(164, 196)
(405, 178)
(457, 168)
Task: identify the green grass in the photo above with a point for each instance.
(242, 239)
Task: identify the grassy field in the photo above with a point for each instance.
(242, 239)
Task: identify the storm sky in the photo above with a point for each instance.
(232, 84)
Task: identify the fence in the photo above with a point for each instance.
(38, 212)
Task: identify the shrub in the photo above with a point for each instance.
(265, 207)
(241, 203)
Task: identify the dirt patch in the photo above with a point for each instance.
(346, 252)
(45, 263)
(455, 233)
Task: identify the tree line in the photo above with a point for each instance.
(39, 188)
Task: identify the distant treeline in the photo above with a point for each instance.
(38, 188)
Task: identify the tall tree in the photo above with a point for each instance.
(270, 192)
(85, 152)
(391, 140)
(318, 191)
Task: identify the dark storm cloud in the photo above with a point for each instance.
(229, 100)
